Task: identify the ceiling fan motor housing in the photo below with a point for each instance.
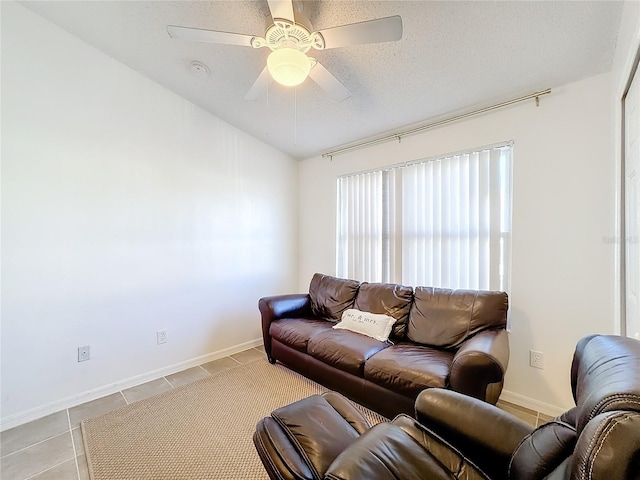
(287, 34)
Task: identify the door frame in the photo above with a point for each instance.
(622, 240)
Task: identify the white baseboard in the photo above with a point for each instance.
(533, 404)
(20, 418)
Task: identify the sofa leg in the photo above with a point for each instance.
(272, 360)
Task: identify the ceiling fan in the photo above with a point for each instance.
(290, 37)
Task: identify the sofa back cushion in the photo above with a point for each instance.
(445, 318)
(388, 298)
(330, 296)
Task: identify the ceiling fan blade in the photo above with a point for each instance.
(281, 9)
(259, 86)
(209, 36)
(329, 83)
(386, 29)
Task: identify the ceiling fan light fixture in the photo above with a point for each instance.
(288, 66)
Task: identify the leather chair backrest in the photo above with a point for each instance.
(600, 438)
(608, 377)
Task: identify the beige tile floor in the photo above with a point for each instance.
(51, 448)
(533, 418)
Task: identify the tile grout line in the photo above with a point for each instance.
(58, 464)
(166, 380)
(73, 443)
(51, 468)
(33, 445)
(205, 370)
(125, 398)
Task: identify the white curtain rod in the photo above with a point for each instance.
(398, 136)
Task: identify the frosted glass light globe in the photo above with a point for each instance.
(288, 66)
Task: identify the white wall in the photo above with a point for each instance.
(125, 210)
(563, 218)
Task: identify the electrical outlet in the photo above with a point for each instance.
(536, 359)
(161, 336)
(83, 353)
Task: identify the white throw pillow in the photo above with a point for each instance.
(375, 325)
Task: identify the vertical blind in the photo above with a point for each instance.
(360, 200)
(442, 222)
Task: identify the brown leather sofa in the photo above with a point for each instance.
(455, 436)
(454, 339)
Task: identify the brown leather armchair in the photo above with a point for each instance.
(455, 436)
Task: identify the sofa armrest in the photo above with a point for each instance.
(482, 432)
(281, 306)
(480, 364)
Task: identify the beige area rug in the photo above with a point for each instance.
(200, 431)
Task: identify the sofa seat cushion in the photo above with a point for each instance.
(296, 332)
(344, 350)
(408, 368)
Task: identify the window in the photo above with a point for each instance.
(440, 222)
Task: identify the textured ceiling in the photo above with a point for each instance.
(453, 56)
